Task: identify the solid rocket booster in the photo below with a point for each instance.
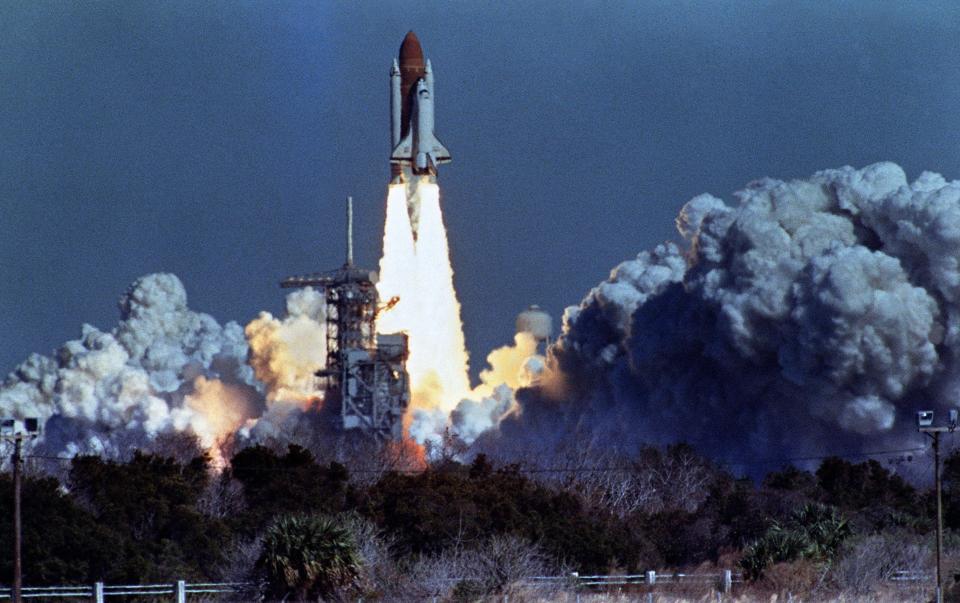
(416, 150)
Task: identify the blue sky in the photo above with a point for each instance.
(217, 140)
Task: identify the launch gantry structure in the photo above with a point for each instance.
(365, 373)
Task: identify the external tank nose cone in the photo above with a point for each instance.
(412, 69)
(410, 50)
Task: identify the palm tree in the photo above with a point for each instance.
(814, 532)
(825, 528)
(308, 556)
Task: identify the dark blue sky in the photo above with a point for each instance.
(217, 140)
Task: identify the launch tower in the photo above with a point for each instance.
(366, 374)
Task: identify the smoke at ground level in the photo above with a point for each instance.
(809, 316)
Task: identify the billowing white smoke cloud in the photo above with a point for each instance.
(167, 369)
(154, 373)
(814, 313)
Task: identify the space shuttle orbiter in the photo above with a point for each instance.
(416, 150)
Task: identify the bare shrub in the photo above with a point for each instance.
(673, 479)
(222, 497)
(378, 571)
(502, 564)
(435, 576)
(866, 564)
(239, 563)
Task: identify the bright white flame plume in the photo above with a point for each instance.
(419, 273)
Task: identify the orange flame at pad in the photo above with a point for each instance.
(220, 410)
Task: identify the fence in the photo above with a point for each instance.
(99, 591)
(723, 581)
(179, 590)
(910, 576)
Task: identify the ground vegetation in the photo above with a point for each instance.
(304, 528)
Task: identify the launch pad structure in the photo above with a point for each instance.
(365, 373)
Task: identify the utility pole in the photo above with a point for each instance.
(925, 426)
(17, 432)
(936, 476)
(17, 570)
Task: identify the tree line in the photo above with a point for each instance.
(155, 518)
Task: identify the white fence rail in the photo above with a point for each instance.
(181, 590)
(908, 576)
(99, 591)
(723, 580)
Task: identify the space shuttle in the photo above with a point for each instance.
(416, 150)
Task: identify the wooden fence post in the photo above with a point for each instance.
(727, 581)
(98, 592)
(651, 577)
(181, 590)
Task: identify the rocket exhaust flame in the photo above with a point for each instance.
(419, 273)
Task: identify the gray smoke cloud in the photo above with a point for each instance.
(811, 315)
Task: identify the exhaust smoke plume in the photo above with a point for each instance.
(167, 369)
(285, 356)
(163, 369)
(814, 314)
(511, 367)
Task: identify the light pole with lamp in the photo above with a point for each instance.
(18, 431)
(925, 425)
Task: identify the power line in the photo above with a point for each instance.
(800, 459)
(584, 469)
